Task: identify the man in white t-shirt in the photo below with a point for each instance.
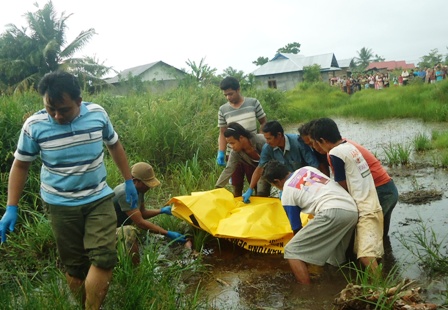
(326, 237)
(405, 76)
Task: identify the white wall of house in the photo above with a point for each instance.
(283, 81)
(287, 81)
(160, 72)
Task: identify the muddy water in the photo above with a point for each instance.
(245, 280)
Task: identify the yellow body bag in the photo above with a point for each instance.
(260, 226)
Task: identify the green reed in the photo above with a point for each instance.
(397, 154)
(202, 238)
(404, 153)
(29, 248)
(440, 140)
(379, 291)
(422, 142)
(428, 247)
(392, 155)
(160, 281)
(47, 292)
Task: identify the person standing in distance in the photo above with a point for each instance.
(244, 111)
(68, 135)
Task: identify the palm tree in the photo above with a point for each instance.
(238, 74)
(41, 48)
(364, 57)
(89, 71)
(378, 58)
(201, 73)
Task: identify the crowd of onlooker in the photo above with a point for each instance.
(381, 80)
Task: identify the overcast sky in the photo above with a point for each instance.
(236, 32)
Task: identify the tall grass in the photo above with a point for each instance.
(440, 139)
(13, 111)
(309, 101)
(47, 292)
(30, 250)
(158, 282)
(422, 101)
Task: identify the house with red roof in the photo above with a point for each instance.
(387, 66)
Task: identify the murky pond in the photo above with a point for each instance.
(244, 280)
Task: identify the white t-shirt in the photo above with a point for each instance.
(313, 191)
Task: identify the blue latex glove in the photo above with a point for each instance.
(131, 193)
(176, 236)
(8, 221)
(166, 210)
(247, 195)
(220, 159)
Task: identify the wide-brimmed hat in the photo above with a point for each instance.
(145, 173)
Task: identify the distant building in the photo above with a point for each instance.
(158, 75)
(388, 66)
(346, 66)
(285, 70)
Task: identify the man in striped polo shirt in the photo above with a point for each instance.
(68, 134)
(244, 111)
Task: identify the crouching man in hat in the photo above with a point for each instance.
(326, 237)
(144, 179)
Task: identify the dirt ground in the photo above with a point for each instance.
(245, 280)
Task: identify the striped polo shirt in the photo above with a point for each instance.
(246, 115)
(73, 171)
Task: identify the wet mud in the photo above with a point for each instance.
(418, 197)
(240, 279)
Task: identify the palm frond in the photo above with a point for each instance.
(78, 43)
(27, 83)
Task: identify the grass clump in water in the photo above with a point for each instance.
(422, 142)
(398, 154)
(428, 247)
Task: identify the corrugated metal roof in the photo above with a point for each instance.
(135, 71)
(286, 62)
(345, 63)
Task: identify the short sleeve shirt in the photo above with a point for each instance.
(313, 191)
(121, 205)
(246, 115)
(73, 170)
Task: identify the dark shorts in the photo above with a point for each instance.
(85, 235)
(242, 170)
